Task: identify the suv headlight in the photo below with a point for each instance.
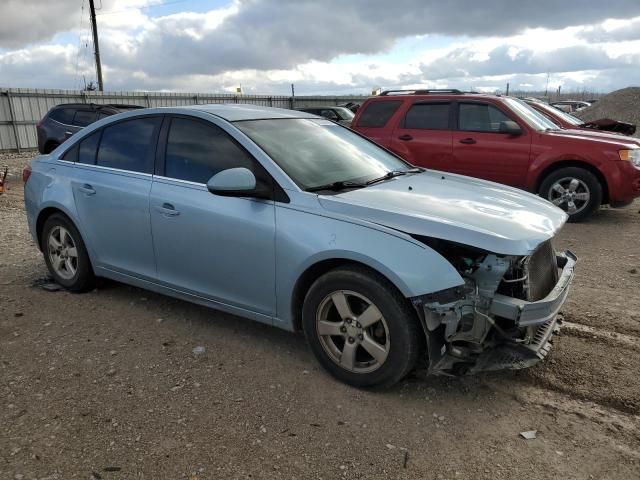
(632, 156)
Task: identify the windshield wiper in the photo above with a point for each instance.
(340, 185)
(393, 174)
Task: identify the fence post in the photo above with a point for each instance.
(13, 120)
(148, 100)
(84, 96)
(195, 99)
(271, 101)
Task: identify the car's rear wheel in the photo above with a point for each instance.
(360, 328)
(66, 255)
(575, 190)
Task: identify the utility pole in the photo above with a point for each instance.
(96, 46)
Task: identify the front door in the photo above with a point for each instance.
(111, 192)
(220, 248)
(481, 151)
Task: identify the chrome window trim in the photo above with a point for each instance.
(110, 169)
(186, 182)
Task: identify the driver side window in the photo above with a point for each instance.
(480, 117)
(197, 151)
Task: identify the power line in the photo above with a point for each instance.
(76, 81)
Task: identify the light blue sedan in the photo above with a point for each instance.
(292, 220)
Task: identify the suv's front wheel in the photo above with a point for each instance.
(360, 328)
(575, 190)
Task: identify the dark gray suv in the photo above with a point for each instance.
(65, 119)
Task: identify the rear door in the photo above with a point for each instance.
(423, 136)
(220, 248)
(376, 120)
(111, 190)
(480, 150)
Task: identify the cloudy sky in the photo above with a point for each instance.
(322, 46)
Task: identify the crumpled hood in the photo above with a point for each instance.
(616, 140)
(452, 207)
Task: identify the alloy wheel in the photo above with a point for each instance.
(352, 331)
(62, 252)
(570, 194)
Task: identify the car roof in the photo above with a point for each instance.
(233, 112)
(435, 95)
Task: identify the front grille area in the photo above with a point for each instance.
(542, 272)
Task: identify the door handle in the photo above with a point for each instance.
(405, 137)
(168, 210)
(468, 141)
(87, 189)
(67, 134)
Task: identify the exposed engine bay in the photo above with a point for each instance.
(504, 315)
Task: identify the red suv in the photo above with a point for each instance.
(505, 140)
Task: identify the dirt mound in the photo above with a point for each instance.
(622, 105)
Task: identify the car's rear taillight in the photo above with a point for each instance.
(26, 173)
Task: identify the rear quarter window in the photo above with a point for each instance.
(82, 118)
(376, 114)
(62, 115)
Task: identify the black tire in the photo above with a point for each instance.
(83, 278)
(405, 340)
(50, 147)
(588, 183)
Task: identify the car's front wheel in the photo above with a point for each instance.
(65, 254)
(360, 328)
(575, 190)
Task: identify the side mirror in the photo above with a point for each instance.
(510, 127)
(237, 182)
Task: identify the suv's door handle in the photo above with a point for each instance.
(168, 210)
(67, 134)
(468, 141)
(405, 137)
(87, 189)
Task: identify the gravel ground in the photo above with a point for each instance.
(105, 385)
(622, 105)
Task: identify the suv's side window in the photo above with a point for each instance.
(196, 151)
(129, 145)
(378, 113)
(62, 115)
(82, 118)
(480, 117)
(330, 114)
(428, 116)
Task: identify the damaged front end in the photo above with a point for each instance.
(505, 314)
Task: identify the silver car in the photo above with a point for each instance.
(295, 221)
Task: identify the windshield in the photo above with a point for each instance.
(533, 118)
(344, 113)
(316, 152)
(563, 115)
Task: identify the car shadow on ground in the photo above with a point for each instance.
(209, 325)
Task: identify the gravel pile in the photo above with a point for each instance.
(622, 105)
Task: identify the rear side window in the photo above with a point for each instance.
(480, 117)
(377, 114)
(62, 115)
(88, 148)
(428, 116)
(71, 155)
(82, 118)
(197, 151)
(129, 145)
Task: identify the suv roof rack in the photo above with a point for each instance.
(421, 91)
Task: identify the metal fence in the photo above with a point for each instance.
(22, 108)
